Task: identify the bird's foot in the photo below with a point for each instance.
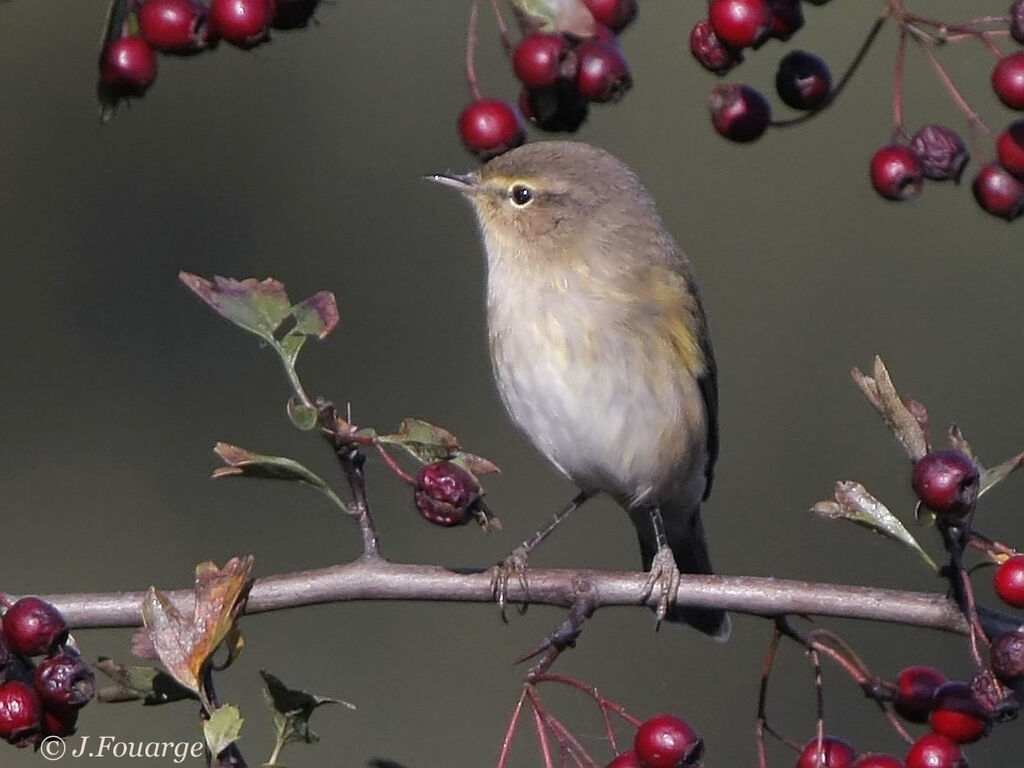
(663, 576)
(513, 566)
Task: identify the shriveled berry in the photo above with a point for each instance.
(896, 173)
(915, 689)
(787, 18)
(933, 750)
(878, 760)
(739, 112)
(244, 23)
(64, 681)
(834, 753)
(710, 52)
(602, 73)
(489, 127)
(59, 722)
(1008, 80)
(173, 25)
(293, 14)
(1007, 657)
(1009, 581)
(667, 741)
(446, 494)
(1017, 21)
(20, 713)
(1010, 148)
(128, 66)
(998, 191)
(540, 59)
(946, 482)
(33, 627)
(803, 80)
(741, 23)
(614, 14)
(941, 152)
(956, 713)
(559, 107)
(628, 759)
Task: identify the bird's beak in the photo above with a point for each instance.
(466, 183)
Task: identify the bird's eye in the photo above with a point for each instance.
(521, 194)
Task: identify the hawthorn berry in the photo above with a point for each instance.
(540, 59)
(244, 23)
(834, 753)
(293, 14)
(933, 750)
(64, 681)
(446, 494)
(1017, 21)
(941, 152)
(710, 52)
(667, 741)
(1009, 581)
(787, 18)
(956, 713)
(946, 482)
(559, 107)
(896, 173)
(128, 66)
(614, 14)
(602, 74)
(998, 191)
(915, 688)
(173, 25)
(1010, 148)
(741, 23)
(1008, 80)
(59, 722)
(489, 127)
(878, 760)
(803, 80)
(628, 759)
(739, 112)
(20, 713)
(33, 627)
(1007, 657)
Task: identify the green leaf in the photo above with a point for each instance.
(475, 465)
(992, 476)
(243, 463)
(132, 683)
(425, 441)
(223, 728)
(258, 306)
(315, 317)
(302, 416)
(292, 709)
(854, 503)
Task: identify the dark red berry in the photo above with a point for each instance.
(739, 112)
(1007, 656)
(20, 713)
(896, 173)
(173, 25)
(244, 23)
(602, 74)
(604, 35)
(1010, 147)
(946, 482)
(834, 753)
(446, 494)
(59, 722)
(787, 18)
(915, 688)
(803, 80)
(540, 59)
(1008, 80)
(941, 152)
(933, 750)
(489, 127)
(64, 681)
(956, 713)
(559, 107)
(33, 627)
(666, 741)
(998, 191)
(6, 654)
(1009, 581)
(614, 14)
(293, 14)
(741, 23)
(878, 760)
(710, 52)
(628, 759)
(1017, 21)
(128, 66)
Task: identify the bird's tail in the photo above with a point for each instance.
(685, 534)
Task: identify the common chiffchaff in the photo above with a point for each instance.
(600, 346)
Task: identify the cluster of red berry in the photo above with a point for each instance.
(44, 699)
(561, 75)
(128, 64)
(663, 741)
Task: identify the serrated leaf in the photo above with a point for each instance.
(995, 475)
(302, 416)
(132, 683)
(881, 393)
(244, 463)
(854, 503)
(222, 729)
(258, 306)
(292, 709)
(315, 317)
(424, 441)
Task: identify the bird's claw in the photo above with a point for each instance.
(514, 565)
(664, 575)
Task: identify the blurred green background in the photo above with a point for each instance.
(301, 160)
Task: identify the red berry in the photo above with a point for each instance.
(999, 192)
(739, 112)
(896, 173)
(741, 23)
(1007, 658)
(614, 14)
(540, 59)
(803, 80)
(626, 760)
(787, 18)
(1008, 80)
(916, 687)
(559, 107)
(173, 25)
(33, 627)
(64, 681)
(878, 760)
(60, 722)
(834, 753)
(666, 741)
(956, 713)
(1017, 21)
(1009, 581)
(710, 52)
(946, 482)
(1010, 147)
(128, 66)
(489, 127)
(244, 23)
(20, 713)
(602, 74)
(933, 750)
(446, 494)
(293, 14)
(941, 152)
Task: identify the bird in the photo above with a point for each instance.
(601, 350)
